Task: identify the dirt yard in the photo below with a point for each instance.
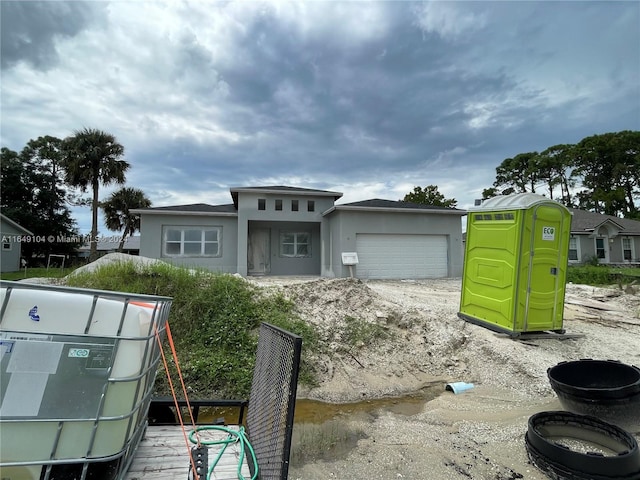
(478, 434)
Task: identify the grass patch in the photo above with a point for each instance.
(602, 275)
(214, 319)
(358, 332)
(51, 272)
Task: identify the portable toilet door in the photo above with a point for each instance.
(516, 264)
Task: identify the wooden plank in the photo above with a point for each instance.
(164, 455)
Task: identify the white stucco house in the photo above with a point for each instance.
(282, 230)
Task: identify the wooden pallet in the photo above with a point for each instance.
(163, 455)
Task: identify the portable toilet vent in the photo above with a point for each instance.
(515, 265)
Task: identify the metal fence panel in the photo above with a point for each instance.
(272, 400)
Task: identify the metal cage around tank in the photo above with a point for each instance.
(76, 374)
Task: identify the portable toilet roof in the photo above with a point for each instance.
(517, 201)
(516, 263)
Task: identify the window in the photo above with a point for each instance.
(278, 204)
(573, 249)
(311, 206)
(294, 205)
(262, 204)
(627, 249)
(192, 241)
(295, 244)
(600, 248)
(6, 246)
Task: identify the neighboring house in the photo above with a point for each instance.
(605, 237)
(12, 235)
(109, 244)
(297, 231)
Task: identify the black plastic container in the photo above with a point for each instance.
(606, 389)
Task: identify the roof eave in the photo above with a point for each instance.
(183, 212)
(460, 213)
(16, 225)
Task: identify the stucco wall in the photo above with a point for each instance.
(345, 224)
(282, 265)
(10, 259)
(248, 213)
(151, 240)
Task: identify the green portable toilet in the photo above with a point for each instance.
(515, 266)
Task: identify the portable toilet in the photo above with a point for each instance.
(515, 266)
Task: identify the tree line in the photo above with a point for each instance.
(601, 173)
(39, 184)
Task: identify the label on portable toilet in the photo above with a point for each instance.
(548, 233)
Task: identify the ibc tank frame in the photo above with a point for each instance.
(99, 345)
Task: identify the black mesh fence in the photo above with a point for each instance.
(272, 400)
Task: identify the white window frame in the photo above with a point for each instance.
(296, 243)
(7, 246)
(631, 249)
(202, 241)
(577, 248)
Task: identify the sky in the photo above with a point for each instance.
(370, 99)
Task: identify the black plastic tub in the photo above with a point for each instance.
(606, 389)
(569, 446)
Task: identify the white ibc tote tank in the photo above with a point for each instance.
(98, 346)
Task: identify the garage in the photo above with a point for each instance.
(388, 256)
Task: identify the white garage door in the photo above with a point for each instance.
(401, 256)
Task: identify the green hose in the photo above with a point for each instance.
(234, 436)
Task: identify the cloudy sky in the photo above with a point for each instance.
(365, 98)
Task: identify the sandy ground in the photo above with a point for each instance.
(475, 435)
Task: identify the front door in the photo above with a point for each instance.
(543, 309)
(602, 249)
(259, 251)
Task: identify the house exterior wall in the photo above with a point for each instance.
(276, 220)
(151, 240)
(283, 265)
(587, 249)
(10, 250)
(345, 224)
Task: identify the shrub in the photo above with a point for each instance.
(214, 319)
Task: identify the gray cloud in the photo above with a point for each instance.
(371, 98)
(30, 29)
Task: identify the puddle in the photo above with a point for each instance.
(313, 411)
(322, 431)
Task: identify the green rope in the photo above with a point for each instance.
(234, 436)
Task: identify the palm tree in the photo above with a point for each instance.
(117, 211)
(92, 157)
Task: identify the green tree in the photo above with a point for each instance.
(490, 192)
(518, 174)
(15, 187)
(117, 211)
(93, 157)
(429, 196)
(556, 167)
(32, 194)
(609, 166)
